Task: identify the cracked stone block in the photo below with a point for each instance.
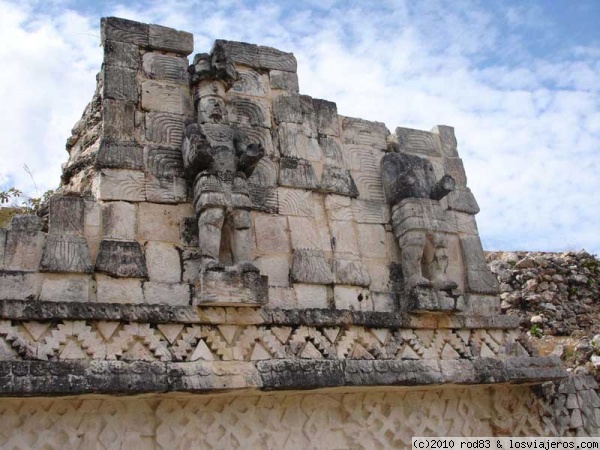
(310, 266)
(273, 59)
(23, 250)
(352, 298)
(121, 259)
(123, 30)
(479, 278)
(118, 123)
(127, 185)
(294, 109)
(230, 287)
(66, 215)
(455, 168)
(338, 181)
(311, 296)
(418, 142)
(121, 54)
(119, 83)
(327, 117)
(285, 81)
(65, 253)
(163, 262)
(66, 288)
(250, 82)
(295, 141)
(118, 290)
(447, 140)
(348, 269)
(463, 200)
(18, 285)
(304, 233)
(174, 294)
(116, 154)
(167, 97)
(119, 221)
(170, 40)
(344, 239)
(297, 173)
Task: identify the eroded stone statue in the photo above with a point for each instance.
(419, 223)
(219, 160)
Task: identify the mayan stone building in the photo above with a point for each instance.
(230, 263)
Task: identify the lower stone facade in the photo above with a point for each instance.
(371, 418)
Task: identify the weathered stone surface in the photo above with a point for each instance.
(310, 266)
(447, 140)
(166, 190)
(348, 269)
(119, 221)
(479, 277)
(66, 288)
(164, 129)
(487, 305)
(276, 268)
(462, 200)
(123, 30)
(272, 59)
(120, 84)
(174, 294)
(272, 234)
(304, 234)
(372, 240)
(239, 52)
(166, 97)
(327, 117)
(332, 150)
(426, 299)
(250, 82)
(165, 67)
(285, 81)
(297, 173)
(364, 133)
(65, 253)
(170, 40)
(352, 298)
(295, 202)
(296, 141)
(118, 290)
(338, 181)
(26, 222)
(163, 262)
(118, 123)
(161, 222)
(66, 215)
(311, 296)
(121, 54)
(127, 185)
(23, 249)
(231, 288)
(454, 167)
(163, 162)
(418, 142)
(249, 112)
(121, 259)
(2, 247)
(116, 154)
(343, 237)
(17, 285)
(294, 109)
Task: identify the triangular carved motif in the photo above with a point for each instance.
(282, 333)
(73, 350)
(170, 331)
(202, 352)
(331, 334)
(311, 352)
(359, 352)
(36, 329)
(449, 353)
(259, 352)
(486, 352)
(228, 332)
(381, 334)
(138, 352)
(107, 329)
(408, 353)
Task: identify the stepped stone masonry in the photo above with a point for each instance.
(215, 232)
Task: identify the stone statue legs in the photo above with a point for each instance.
(422, 248)
(210, 226)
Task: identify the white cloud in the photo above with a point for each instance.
(528, 126)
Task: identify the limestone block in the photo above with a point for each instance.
(418, 142)
(192, 264)
(392, 246)
(2, 247)
(296, 142)
(371, 240)
(456, 266)
(119, 221)
(123, 30)
(338, 208)
(230, 288)
(479, 277)
(344, 238)
(462, 200)
(121, 54)
(65, 253)
(250, 135)
(352, 298)
(294, 109)
(118, 154)
(164, 129)
(284, 298)
(310, 266)
(338, 181)
(483, 305)
(276, 268)
(327, 117)
(118, 290)
(118, 120)
(119, 83)
(23, 249)
(332, 150)
(271, 234)
(455, 168)
(67, 288)
(188, 230)
(121, 259)
(383, 301)
(66, 215)
(304, 234)
(285, 81)
(427, 300)
(170, 40)
(369, 185)
(167, 97)
(295, 202)
(321, 222)
(311, 296)
(127, 185)
(158, 66)
(247, 111)
(465, 223)
(173, 294)
(379, 272)
(158, 222)
(250, 82)
(166, 190)
(447, 140)
(19, 285)
(163, 262)
(273, 59)
(364, 133)
(238, 52)
(368, 211)
(297, 173)
(92, 227)
(348, 269)
(26, 222)
(163, 162)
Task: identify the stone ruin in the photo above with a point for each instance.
(266, 271)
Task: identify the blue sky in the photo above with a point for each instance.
(520, 82)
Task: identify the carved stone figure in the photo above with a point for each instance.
(219, 160)
(418, 220)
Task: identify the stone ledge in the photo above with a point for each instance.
(42, 378)
(40, 310)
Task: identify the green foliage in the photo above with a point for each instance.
(13, 202)
(535, 331)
